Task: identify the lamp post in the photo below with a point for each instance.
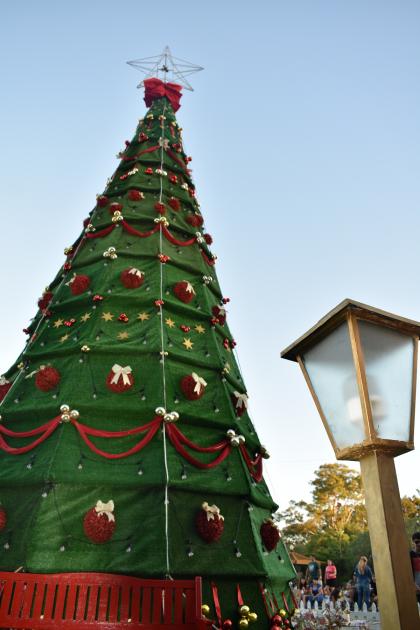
(360, 365)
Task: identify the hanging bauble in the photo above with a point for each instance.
(270, 534)
(99, 522)
(102, 201)
(240, 403)
(184, 291)
(227, 624)
(120, 379)
(209, 523)
(45, 300)
(220, 313)
(79, 284)
(135, 195)
(174, 203)
(5, 385)
(115, 207)
(196, 220)
(47, 378)
(208, 238)
(193, 386)
(143, 137)
(3, 518)
(132, 278)
(276, 620)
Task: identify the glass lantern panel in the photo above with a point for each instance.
(389, 358)
(333, 376)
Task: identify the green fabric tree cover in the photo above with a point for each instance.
(90, 327)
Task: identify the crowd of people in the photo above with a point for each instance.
(361, 589)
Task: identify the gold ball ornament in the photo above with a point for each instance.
(85, 349)
(64, 409)
(244, 610)
(282, 613)
(205, 609)
(252, 617)
(243, 623)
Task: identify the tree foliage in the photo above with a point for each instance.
(334, 523)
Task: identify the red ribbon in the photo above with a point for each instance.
(239, 594)
(217, 603)
(45, 430)
(155, 88)
(254, 465)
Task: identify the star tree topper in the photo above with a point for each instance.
(166, 67)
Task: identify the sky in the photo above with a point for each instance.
(304, 130)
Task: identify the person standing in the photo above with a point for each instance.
(415, 562)
(313, 572)
(363, 576)
(330, 574)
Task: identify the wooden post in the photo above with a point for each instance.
(394, 577)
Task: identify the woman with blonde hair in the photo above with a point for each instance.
(363, 577)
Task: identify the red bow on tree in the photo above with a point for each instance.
(155, 88)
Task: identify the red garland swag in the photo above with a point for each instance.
(3, 518)
(47, 378)
(132, 278)
(98, 527)
(79, 284)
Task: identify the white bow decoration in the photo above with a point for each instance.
(199, 382)
(119, 372)
(105, 508)
(242, 400)
(189, 288)
(212, 511)
(136, 272)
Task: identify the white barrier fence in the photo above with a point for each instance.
(357, 617)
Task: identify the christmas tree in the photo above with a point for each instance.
(126, 443)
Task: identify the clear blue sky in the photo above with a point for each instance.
(304, 131)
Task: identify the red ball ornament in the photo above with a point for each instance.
(209, 523)
(120, 379)
(3, 518)
(148, 170)
(143, 137)
(79, 284)
(193, 386)
(99, 522)
(47, 378)
(270, 535)
(220, 313)
(240, 403)
(173, 178)
(184, 291)
(208, 238)
(160, 207)
(196, 220)
(132, 278)
(227, 624)
(115, 207)
(135, 195)
(102, 201)
(276, 620)
(45, 300)
(5, 385)
(174, 203)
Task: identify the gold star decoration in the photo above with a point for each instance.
(200, 329)
(108, 317)
(58, 323)
(64, 338)
(188, 343)
(169, 322)
(143, 317)
(85, 317)
(123, 335)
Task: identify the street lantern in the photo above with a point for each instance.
(360, 365)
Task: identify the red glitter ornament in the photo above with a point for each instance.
(208, 238)
(5, 385)
(196, 220)
(132, 278)
(174, 203)
(220, 314)
(120, 379)
(177, 147)
(270, 535)
(67, 266)
(115, 207)
(79, 284)
(45, 300)
(184, 291)
(123, 318)
(97, 298)
(209, 523)
(148, 170)
(47, 378)
(159, 302)
(160, 207)
(135, 195)
(185, 328)
(173, 178)
(191, 192)
(163, 258)
(102, 201)
(240, 403)
(193, 386)
(3, 518)
(143, 137)
(99, 522)
(69, 322)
